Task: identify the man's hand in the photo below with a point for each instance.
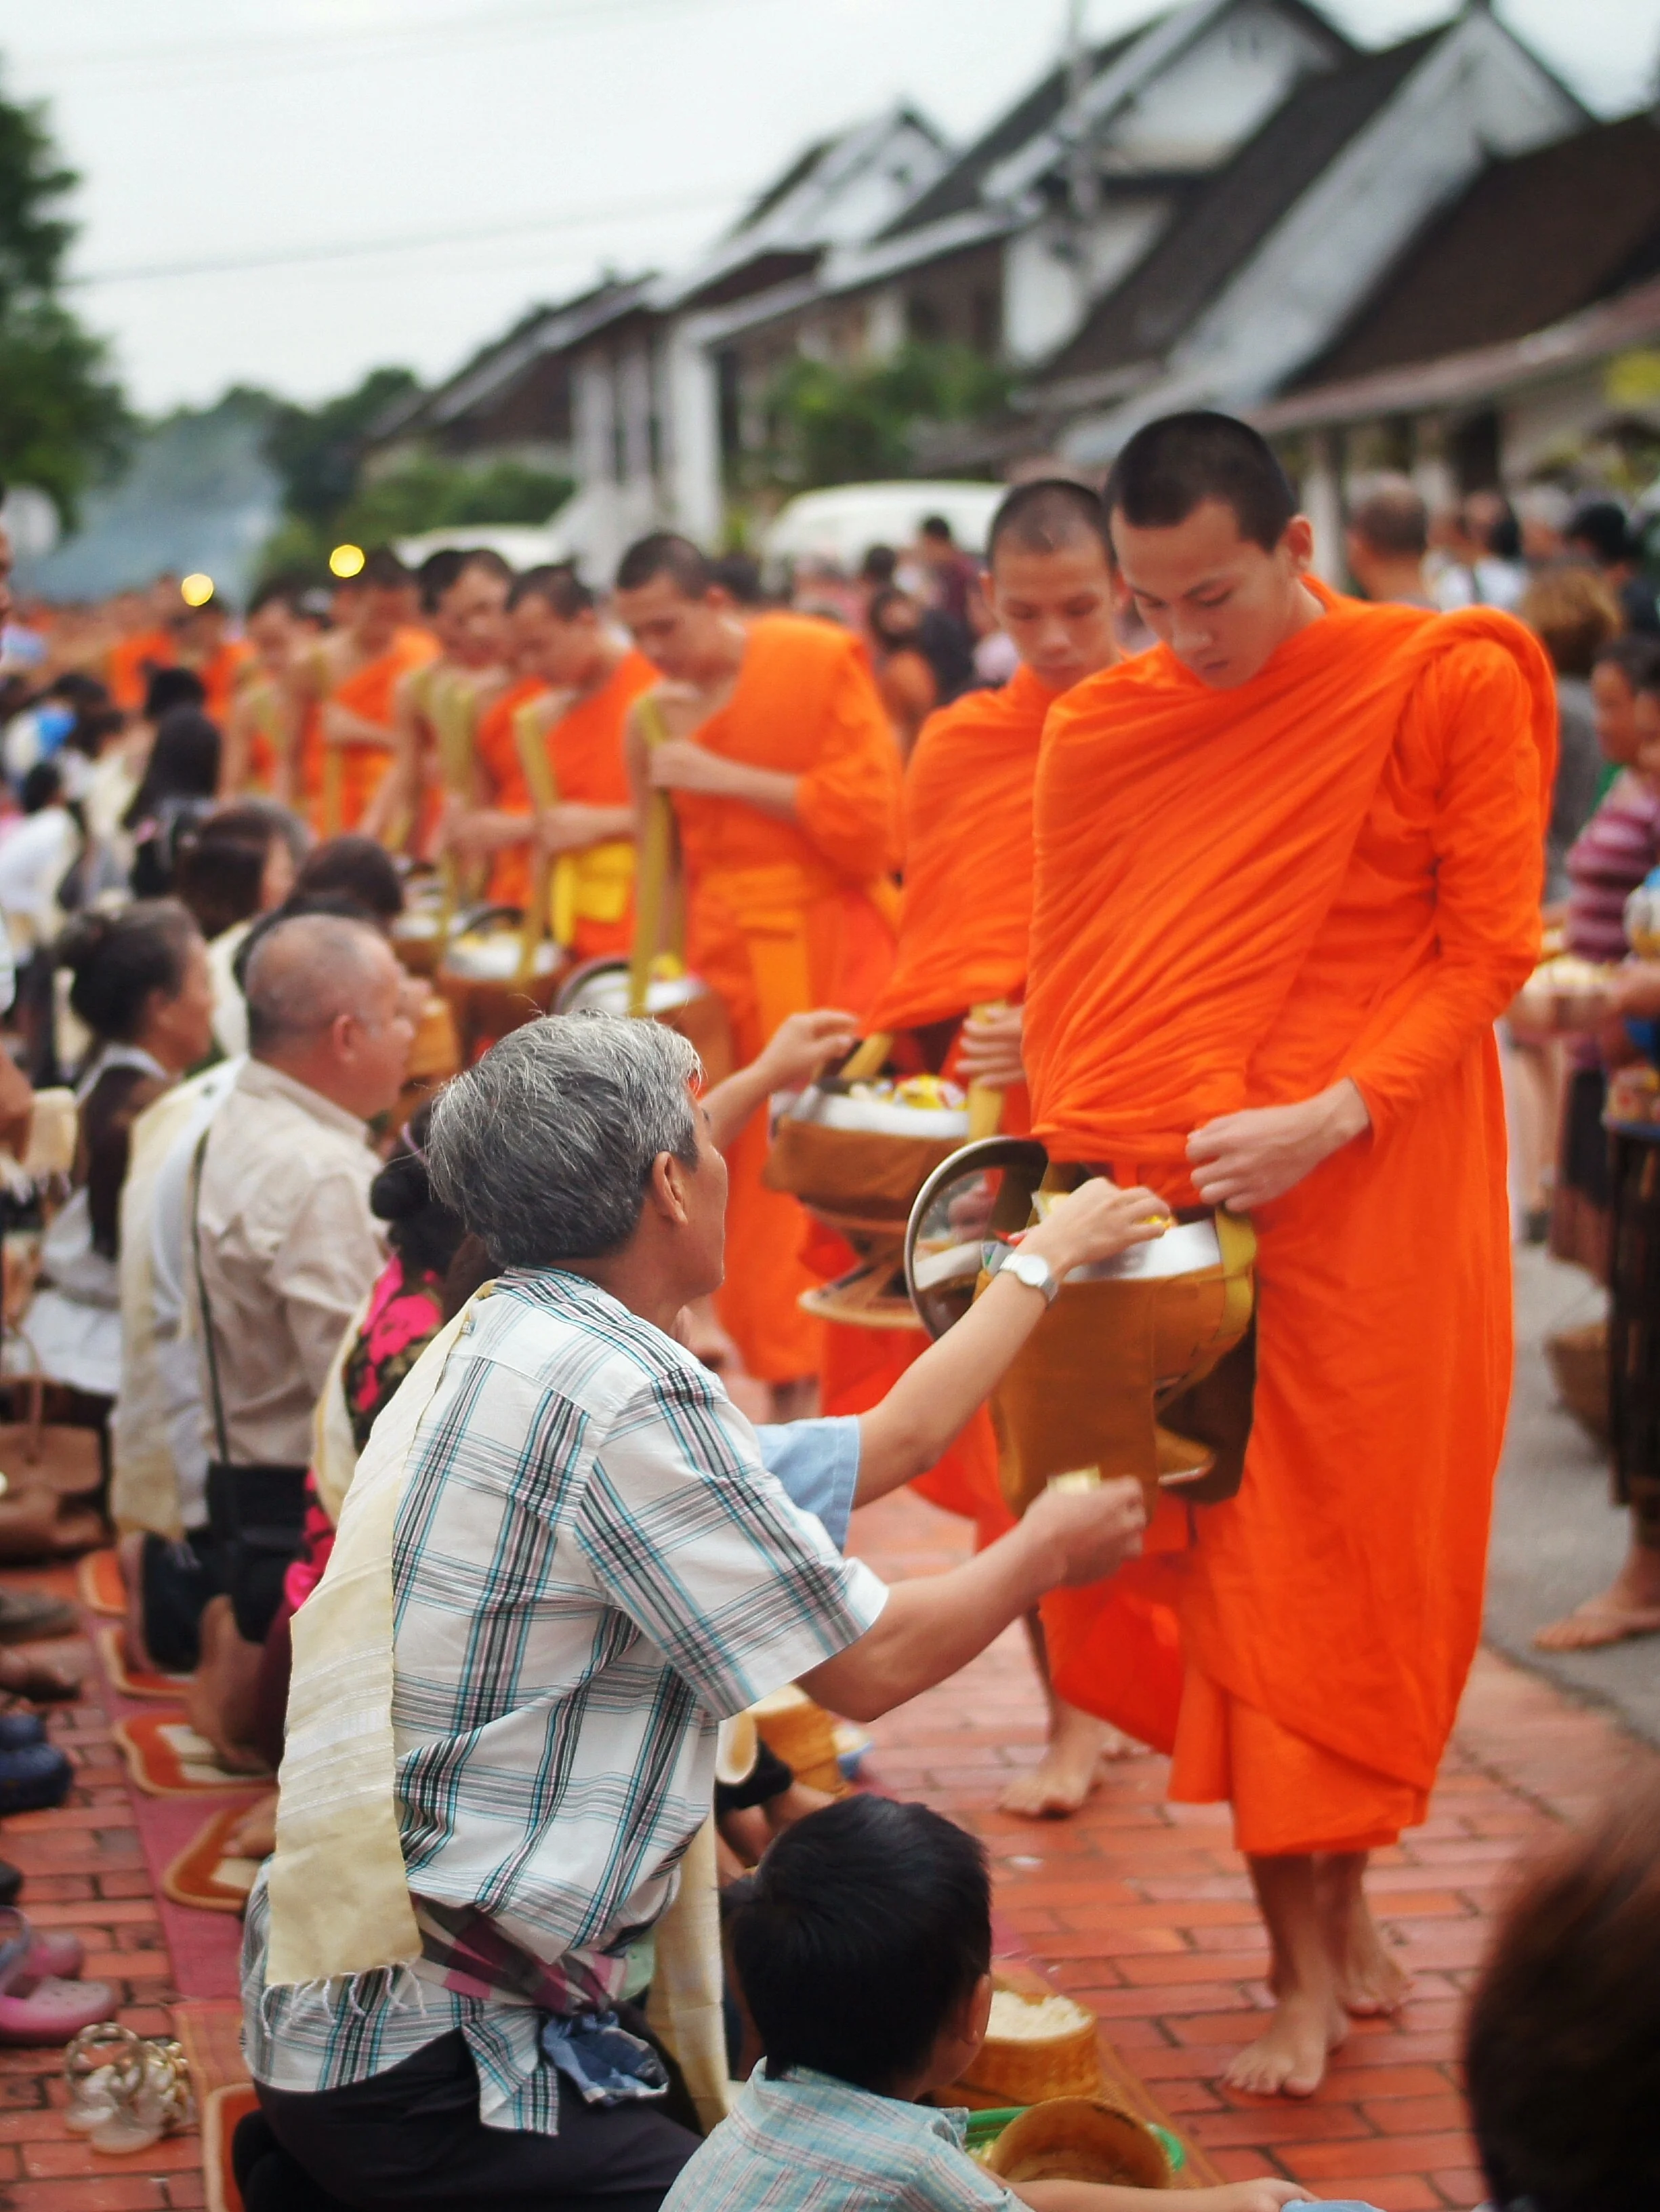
(1112, 2196)
(989, 1050)
(801, 1044)
(1085, 1535)
(1096, 1222)
(1242, 1160)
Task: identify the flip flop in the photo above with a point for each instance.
(58, 1957)
(54, 2012)
(31, 1617)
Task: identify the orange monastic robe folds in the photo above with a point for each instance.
(220, 676)
(1242, 896)
(965, 919)
(129, 662)
(368, 692)
(590, 763)
(784, 916)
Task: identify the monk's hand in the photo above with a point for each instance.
(989, 1049)
(1242, 1160)
(803, 1043)
(1097, 1221)
(570, 827)
(1085, 1535)
(677, 764)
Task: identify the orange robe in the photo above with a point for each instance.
(221, 675)
(784, 916)
(590, 764)
(965, 919)
(1242, 896)
(368, 692)
(128, 664)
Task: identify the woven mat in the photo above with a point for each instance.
(133, 1681)
(212, 2037)
(203, 1876)
(165, 1757)
(98, 1585)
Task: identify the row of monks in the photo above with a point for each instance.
(1237, 913)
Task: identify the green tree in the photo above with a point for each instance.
(318, 452)
(62, 419)
(833, 423)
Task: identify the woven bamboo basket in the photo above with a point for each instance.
(803, 1735)
(1016, 2066)
(1079, 2139)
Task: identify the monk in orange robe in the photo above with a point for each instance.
(350, 678)
(261, 726)
(1289, 873)
(146, 642)
(965, 920)
(785, 778)
(205, 645)
(577, 681)
(438, 705)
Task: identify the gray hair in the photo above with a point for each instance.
(303, 970)
(545, 1146)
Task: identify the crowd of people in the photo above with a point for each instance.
(408, 1368)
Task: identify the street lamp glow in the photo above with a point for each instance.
(346, 561)
(197, 589)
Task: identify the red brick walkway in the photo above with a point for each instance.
(1138, 1907)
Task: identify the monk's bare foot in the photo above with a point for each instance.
(1629, 1607)
(219, 1703)
(254, 1836)
(1369, 1981)
(1288, 2058)
(1063, 1778)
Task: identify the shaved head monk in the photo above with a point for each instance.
(261, 728)
(575, 678)
(1288, 872)
(771, 739)
(436, 706)
(345, 688)
(960, 970)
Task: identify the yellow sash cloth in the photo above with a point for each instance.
(338, 1894)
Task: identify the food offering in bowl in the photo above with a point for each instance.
(1038, 2043)
(1079, 2139)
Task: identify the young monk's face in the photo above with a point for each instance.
(473, 612)
(1056, 607)
(684, 637)
(1222, 603)
(560, 653)
(1614, 704)
(272, 633)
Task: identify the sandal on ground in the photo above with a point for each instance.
(28, 1958)
(22, 1677)
(31, 1617)
(54, 2012)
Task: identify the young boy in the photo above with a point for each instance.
(864, 1952)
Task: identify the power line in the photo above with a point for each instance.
(412, 241)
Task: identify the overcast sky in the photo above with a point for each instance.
(286, 193)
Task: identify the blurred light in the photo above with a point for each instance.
(346, 561)
(197, 590)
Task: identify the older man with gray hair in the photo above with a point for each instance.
(561, 1563)
(280, 1251)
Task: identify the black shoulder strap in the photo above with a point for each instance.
(201, 1300)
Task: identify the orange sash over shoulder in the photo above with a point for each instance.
(368, 692)
(1241, 897)
(783, 916)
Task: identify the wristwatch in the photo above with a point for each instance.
(1034, 1270)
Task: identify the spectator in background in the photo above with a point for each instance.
(1542, 514)
(951, 573)
(1500, 577)
(35, 858)
(1574, 615)
(240, 862)
(1600, 533)
(738, 575)
(905, 676)
(1562, 2043)
(179, 781)
(1386, 540)
(354, 870)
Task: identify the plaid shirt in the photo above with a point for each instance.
(591, 1569)
(810, 2143)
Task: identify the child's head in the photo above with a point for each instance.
(865, 1949)
(1619, 668)
(1563, 2045)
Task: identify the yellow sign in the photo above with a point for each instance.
(197, 589)
(346, 561)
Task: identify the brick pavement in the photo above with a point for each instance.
(1140, 1908)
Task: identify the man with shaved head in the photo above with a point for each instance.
(1386, 539)
(1288, 871)
(282, 1252)
(959, 972)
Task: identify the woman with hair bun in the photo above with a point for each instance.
(141, 986)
